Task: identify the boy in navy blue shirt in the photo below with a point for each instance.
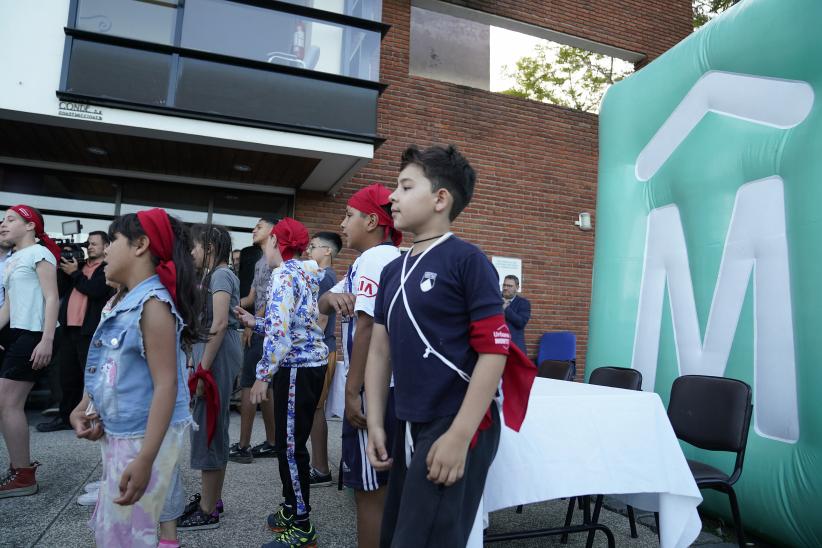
(439, 317)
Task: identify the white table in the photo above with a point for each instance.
(580, 439)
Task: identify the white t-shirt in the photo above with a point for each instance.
(23, 291)
(363, 280)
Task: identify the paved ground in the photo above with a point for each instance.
(53, 519)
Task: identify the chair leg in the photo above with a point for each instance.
(658, 530)
(594, 519)
(519, 509)
(740, 532)
(586, 509)
(632, 521)
(569, 515)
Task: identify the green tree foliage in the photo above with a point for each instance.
(705, 10)
(564, 76)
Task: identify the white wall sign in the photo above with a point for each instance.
(507, 266)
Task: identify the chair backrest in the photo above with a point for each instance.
(561, 345)
(712, 413)
(556, 369)
(616, 377)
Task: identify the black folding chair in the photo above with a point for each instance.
(713, 413)
(560, 370)
(614, 377)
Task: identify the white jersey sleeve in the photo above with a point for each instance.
(367, 277)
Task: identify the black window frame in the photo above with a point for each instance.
(176, 51)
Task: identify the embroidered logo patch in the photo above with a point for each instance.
(502, 336)
(427, 281)
(367, 288)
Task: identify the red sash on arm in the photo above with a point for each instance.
(491, 336)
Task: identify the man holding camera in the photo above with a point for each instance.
(79, 315)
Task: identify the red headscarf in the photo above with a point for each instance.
(370, 200)
(30, 216)
(157, 227)
(292, 237)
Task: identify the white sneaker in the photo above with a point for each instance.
(87, 499)
(92, 487)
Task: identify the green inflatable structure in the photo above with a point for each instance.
(708, 249)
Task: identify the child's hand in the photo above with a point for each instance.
(134, 481)
(86, 426)
(245, 317)
(353, 411)
(342, 303)
(259, 392)
(446, 459)
(376, 450)
(41, 356)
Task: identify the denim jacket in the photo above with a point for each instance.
(117, 376)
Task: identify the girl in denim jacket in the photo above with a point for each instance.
(135, 375)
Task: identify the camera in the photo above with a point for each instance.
(72, 251)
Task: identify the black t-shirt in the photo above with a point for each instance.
(454, 285)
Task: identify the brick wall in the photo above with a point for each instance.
(536, 163)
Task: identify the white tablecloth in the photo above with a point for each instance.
(579, 439)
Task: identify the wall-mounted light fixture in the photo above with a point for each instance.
(584, 221)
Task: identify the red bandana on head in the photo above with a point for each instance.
(157, 227)
(370, 200)
(292, 237)
(30, 216)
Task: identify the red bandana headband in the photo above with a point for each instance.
(370, 200)
(157, 227)
(292, 237)
(30, 216)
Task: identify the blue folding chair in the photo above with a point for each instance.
(560, 346)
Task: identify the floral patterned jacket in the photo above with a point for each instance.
(293, 337)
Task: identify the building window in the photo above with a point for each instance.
(314, 67)
(117, 72)
(261, 34)
(471, 48)
(152, 21)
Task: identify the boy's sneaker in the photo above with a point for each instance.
(263, 450)
(295, 537)
(240, 454)
(88, 499)
(198, 520)
(318, 479)
(280, 520)
(19, 482)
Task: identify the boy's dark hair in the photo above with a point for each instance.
(270, 219)
(446, 168)
(332, 239)
(188, 298)
(512, 277)
(103, 236)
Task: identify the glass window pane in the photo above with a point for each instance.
(252, 94)
(153, 21)
(120, 73)
(363, 9)
(261, 34)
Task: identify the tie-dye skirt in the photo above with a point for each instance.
(136, 525)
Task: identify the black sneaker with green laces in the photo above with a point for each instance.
(296, 536)
(280, 520)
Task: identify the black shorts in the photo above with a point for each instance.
(19, 344)
(251, 357)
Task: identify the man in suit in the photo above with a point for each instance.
(517, 310)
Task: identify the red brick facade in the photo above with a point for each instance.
(536, 163)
